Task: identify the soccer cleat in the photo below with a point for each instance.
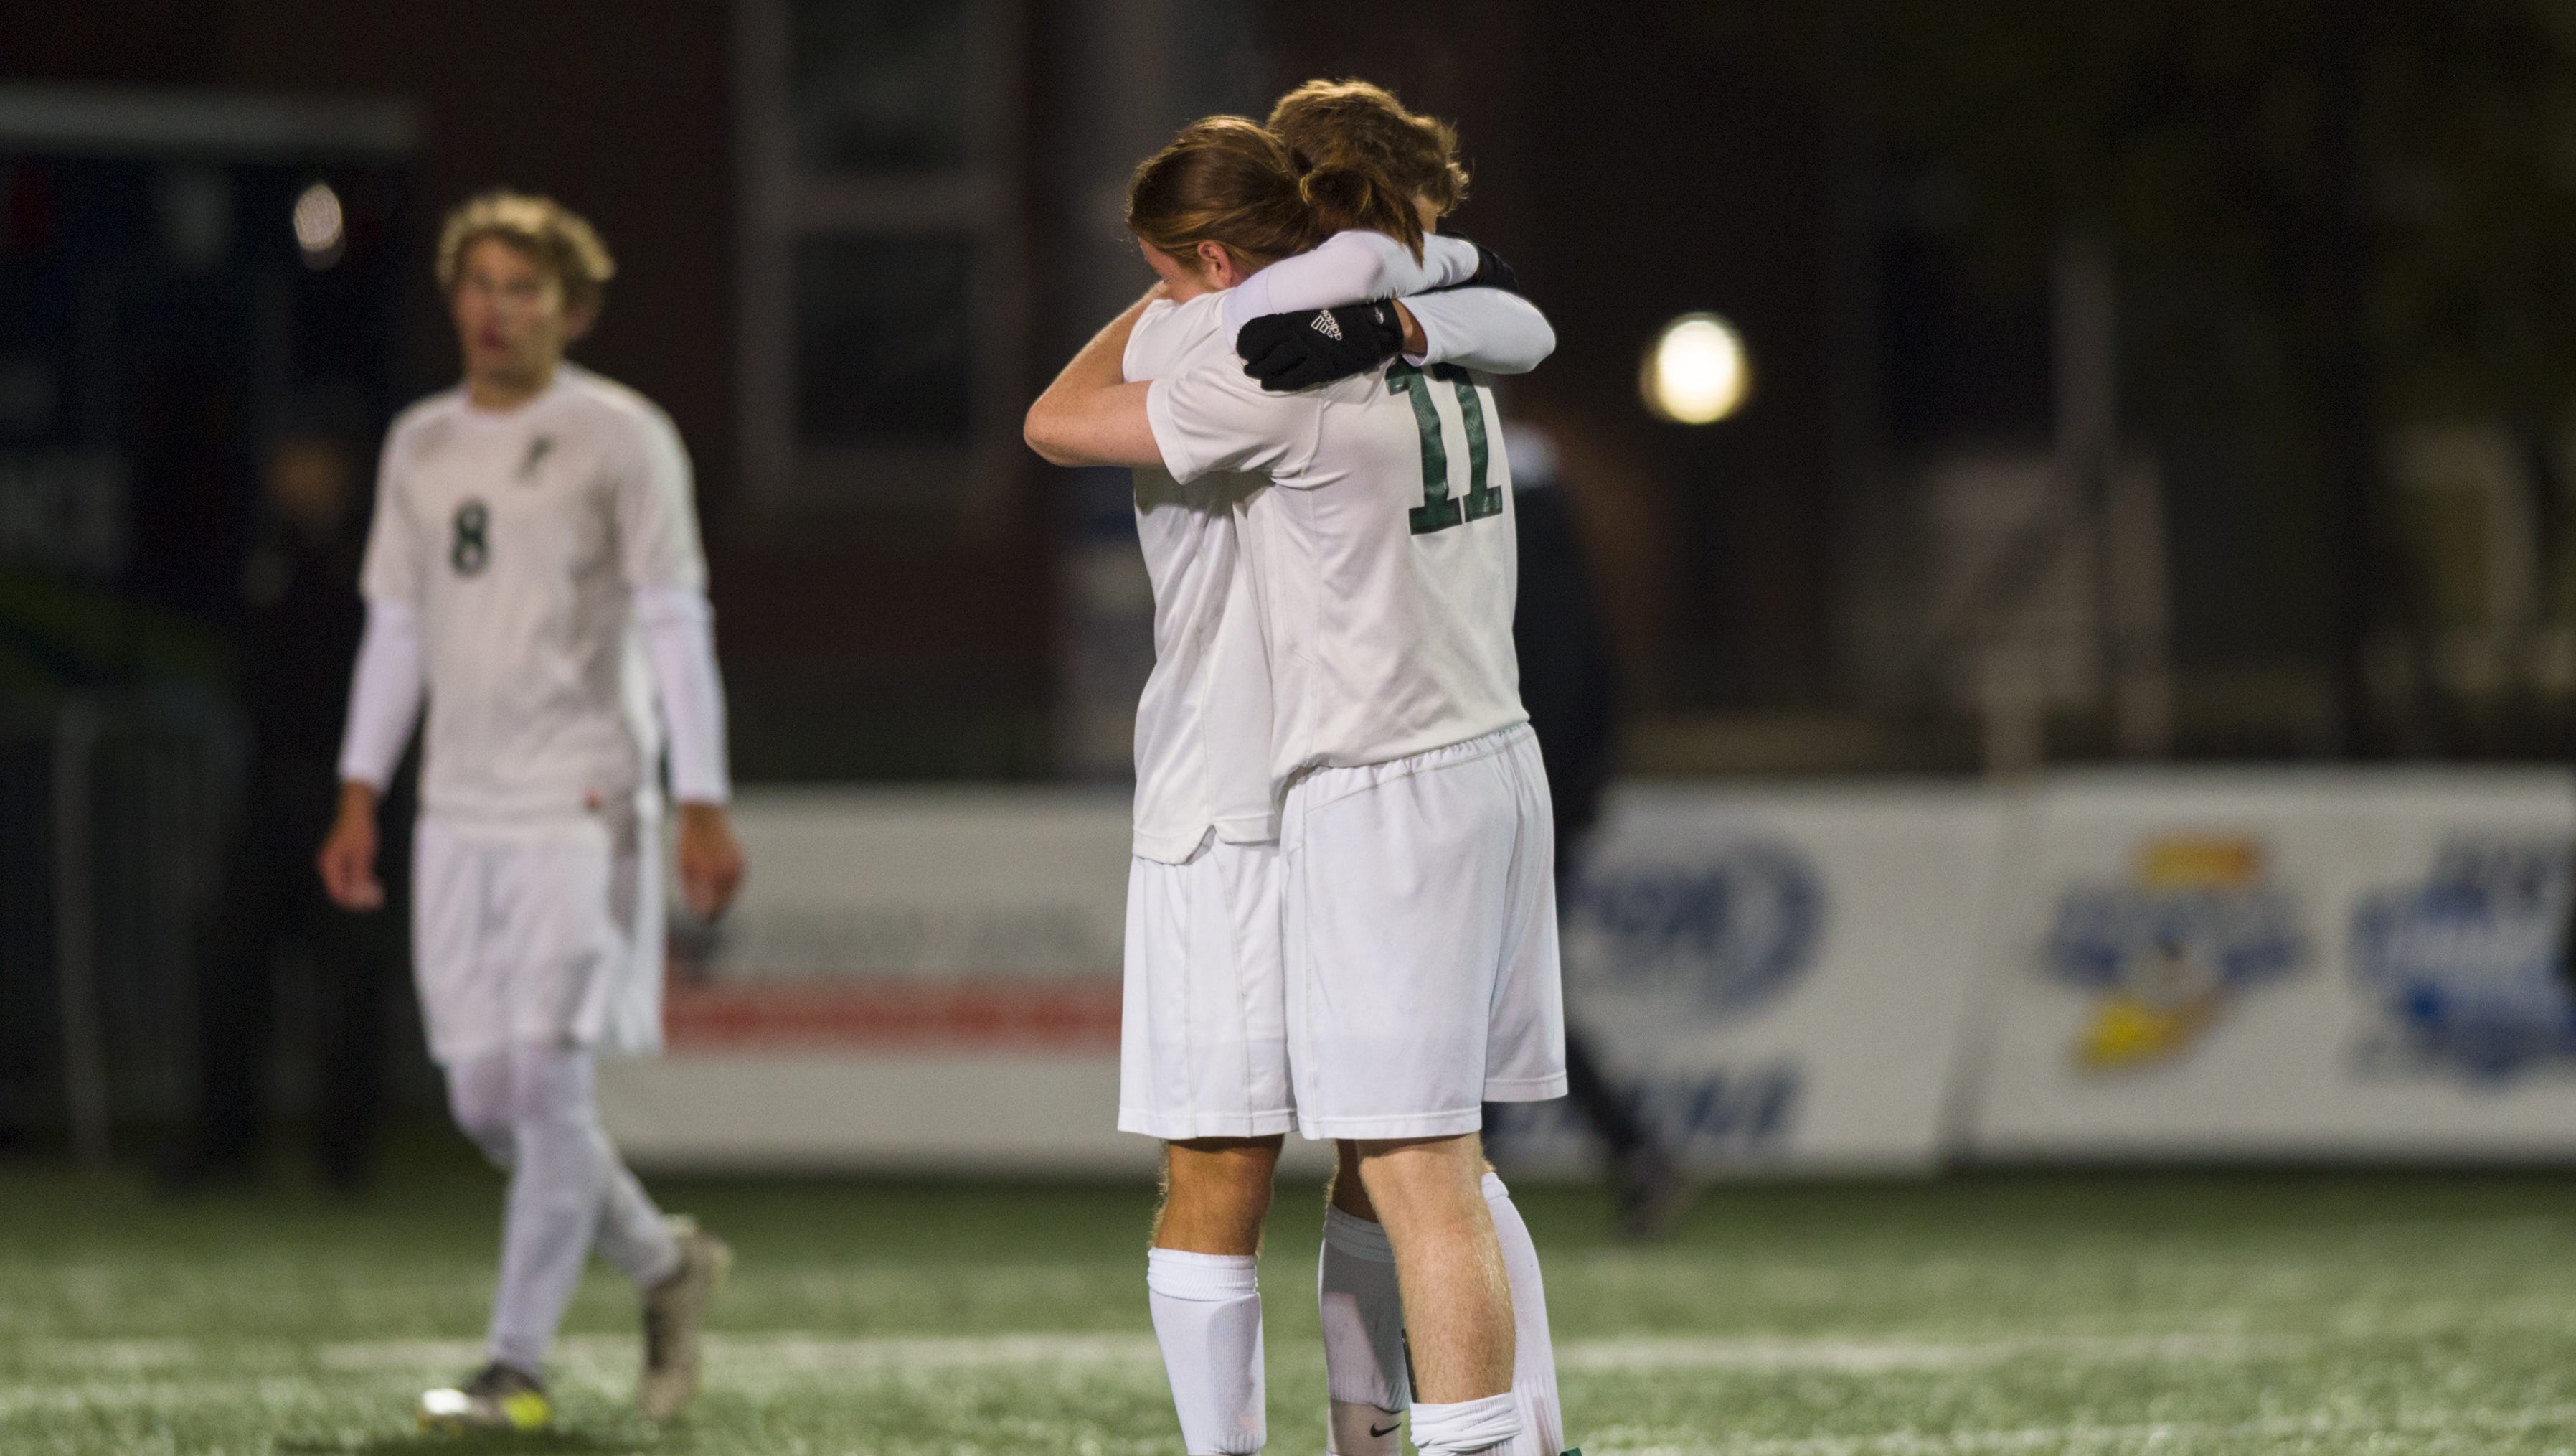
(498, 1398)
(673, 1311)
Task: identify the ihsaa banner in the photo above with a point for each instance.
(2321, 963)
(1774, 979)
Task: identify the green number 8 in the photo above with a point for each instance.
(470, 550)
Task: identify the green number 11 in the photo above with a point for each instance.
(1439, 510)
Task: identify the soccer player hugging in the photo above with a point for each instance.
(1341, 915)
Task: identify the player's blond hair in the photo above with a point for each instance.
(1225, 180)
(1359, 124)
(558, 238)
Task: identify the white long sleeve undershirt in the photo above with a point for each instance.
(1481, 328)
(385, 690)
(679, 638)
(1357, 266)
(1477, 328)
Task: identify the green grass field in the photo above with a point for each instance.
(2067, 1313)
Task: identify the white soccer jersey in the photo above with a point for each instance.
(1384, 563)
(520, 538)
(1203, 723)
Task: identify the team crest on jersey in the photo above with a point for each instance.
(538, 449)
(2167, 952)
(2466, 964)
(1328, 326)
(1722, 933)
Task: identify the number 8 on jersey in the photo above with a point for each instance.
(471, 549)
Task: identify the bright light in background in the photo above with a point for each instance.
(1696, 372)
(320, 228)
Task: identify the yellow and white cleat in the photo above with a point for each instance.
(498, 1398)
(674, 1311)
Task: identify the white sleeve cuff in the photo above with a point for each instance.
(679, 638)
(384, 694)
(1482, 328)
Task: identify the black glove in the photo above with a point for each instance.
(1288, 351)
(1491, 271)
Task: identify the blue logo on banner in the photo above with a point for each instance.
(2168, 952)
(1710, 1120)
(2466, 965)
(1726, 933)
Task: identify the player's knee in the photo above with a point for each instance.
(1221, 1188)
(1406, 1172)
(550, 1092)
(1349, 1190)
(487, 1125)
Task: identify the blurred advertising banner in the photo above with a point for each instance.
(1774, 980)
(912, 978)
(2238, 963)
(2176, 964)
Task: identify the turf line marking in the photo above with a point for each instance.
(1873, 1356)
(755, 1362)
(2487, 1421)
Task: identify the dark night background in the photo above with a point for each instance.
(2334, 238)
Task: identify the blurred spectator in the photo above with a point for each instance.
(1569, 683)
(300, 621)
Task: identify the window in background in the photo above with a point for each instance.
(883, 309)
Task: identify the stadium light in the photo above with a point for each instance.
(1695, 372)
(320, 226)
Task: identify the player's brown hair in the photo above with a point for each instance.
(1225, 180)
(1357, 124)
(556, 236)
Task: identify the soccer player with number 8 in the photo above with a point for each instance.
(534, 570)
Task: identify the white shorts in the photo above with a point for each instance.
(1203, 1041)
(1420, 913)
(550, 934)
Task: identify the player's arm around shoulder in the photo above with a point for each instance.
(1092, 414)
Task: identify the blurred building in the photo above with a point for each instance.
(2048, 453)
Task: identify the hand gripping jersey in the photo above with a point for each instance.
(1383, 561)
(520, 538)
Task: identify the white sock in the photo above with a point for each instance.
(556, 1184)
(1364, 1369)
(1207, 1317)
(1542, 1419)
(633, 1236)
(1490, 1425)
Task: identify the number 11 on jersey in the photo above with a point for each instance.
(1440, 510)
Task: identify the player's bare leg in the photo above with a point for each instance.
(1365, 1373)
(1216, 1193)
(1429, 1195)
(1202, 1283)
(1366, 1385)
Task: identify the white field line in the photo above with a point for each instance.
(2470, 1427)
(2451, 1428)
(269, 1392)
(1875, 1356)
(157, 1371)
